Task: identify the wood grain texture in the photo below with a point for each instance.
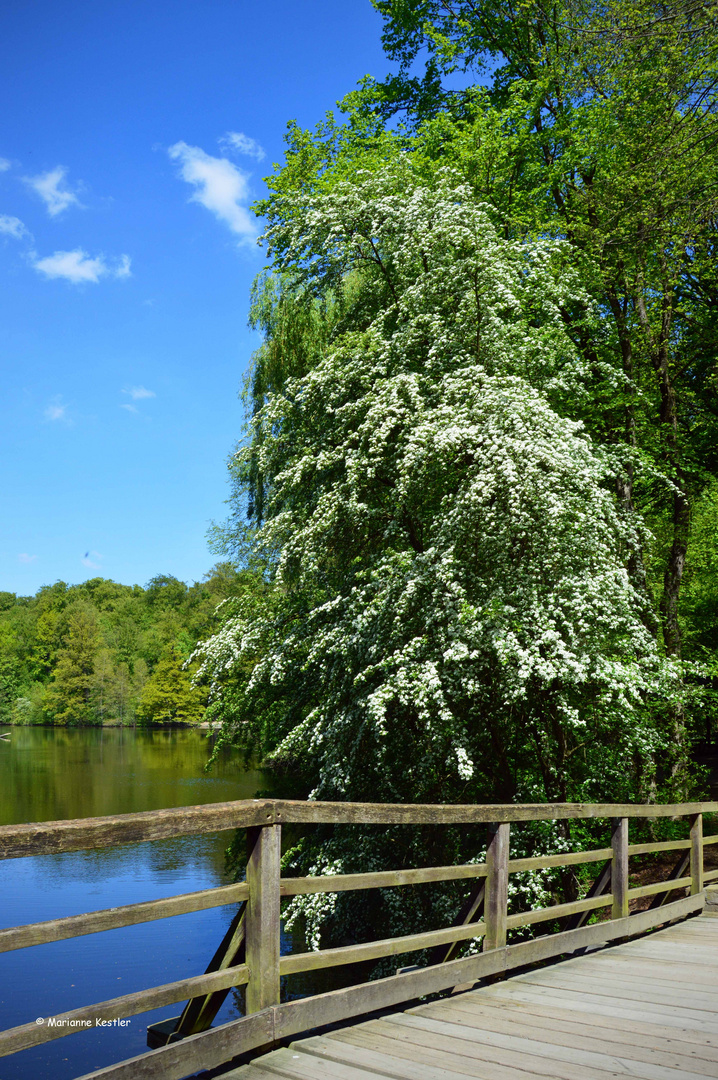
(497, 885)
(418, 814)
(568, 858)
(655, 888)
(48, 837)
(559, 911)
(696, 849)
(20, 937)
(663, 845)
(382, 879)
(52, 837)
(373, 950)
(619, 868)
(262, 918)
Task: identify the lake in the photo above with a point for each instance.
(52, 773)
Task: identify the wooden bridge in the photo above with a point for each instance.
(645, 1008)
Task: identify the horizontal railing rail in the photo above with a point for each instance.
(53, 837)
(253, 957)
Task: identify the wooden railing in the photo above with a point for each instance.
(251, 956)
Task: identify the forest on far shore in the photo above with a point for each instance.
(104, 653)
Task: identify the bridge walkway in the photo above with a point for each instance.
(645, 1009)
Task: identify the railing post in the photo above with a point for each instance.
(262, 919)
(696, 851)
(619, 868)
(497, 885)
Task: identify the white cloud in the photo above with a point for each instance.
(77, 266)
(139, 392)
(25, 558)
(123, 270)
(130, 408)
(12, 226)
(49, 187)
(4, 166)
(221, 187)
(237, 140)
(87, 561)
(56, 410)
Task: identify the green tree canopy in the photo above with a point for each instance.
(168, 696)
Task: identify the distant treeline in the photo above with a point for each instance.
(100, 652)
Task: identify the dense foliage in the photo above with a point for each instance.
(101, 653)
(480, 472)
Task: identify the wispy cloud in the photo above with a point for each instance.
(242, 144)
(51, 189)
(25, 558)
(78, 267)
(4, 166)
(123, 269)
(220, 187)
(12, 226)
(137, 393)
(57, 410)
(87, 560)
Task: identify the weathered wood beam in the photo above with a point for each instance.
(49, 837)
(20, 937)
(558, 911)
(262, 919)
(382, 879)
(200, 1011)
(374, 950)
(496, 897)
(422, 814)
(696, 854)
(658, 887)
(566, 858)
(619, 868)
(664, 845)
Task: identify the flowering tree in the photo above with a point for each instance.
(451, 616)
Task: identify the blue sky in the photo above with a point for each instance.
(139, 134)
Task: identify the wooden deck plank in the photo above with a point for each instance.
(398, 1060)
(579, 1008)
(620, 987)
(336, 1056)
(665, 971)
(300, 1065)
(634, 981)
(634, 1011)
(512, 1022)
(701, 952)
(689, 1042)
(646, 1010)
(485, 1061)
(588, 1061)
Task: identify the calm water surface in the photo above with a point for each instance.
(51, 773)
